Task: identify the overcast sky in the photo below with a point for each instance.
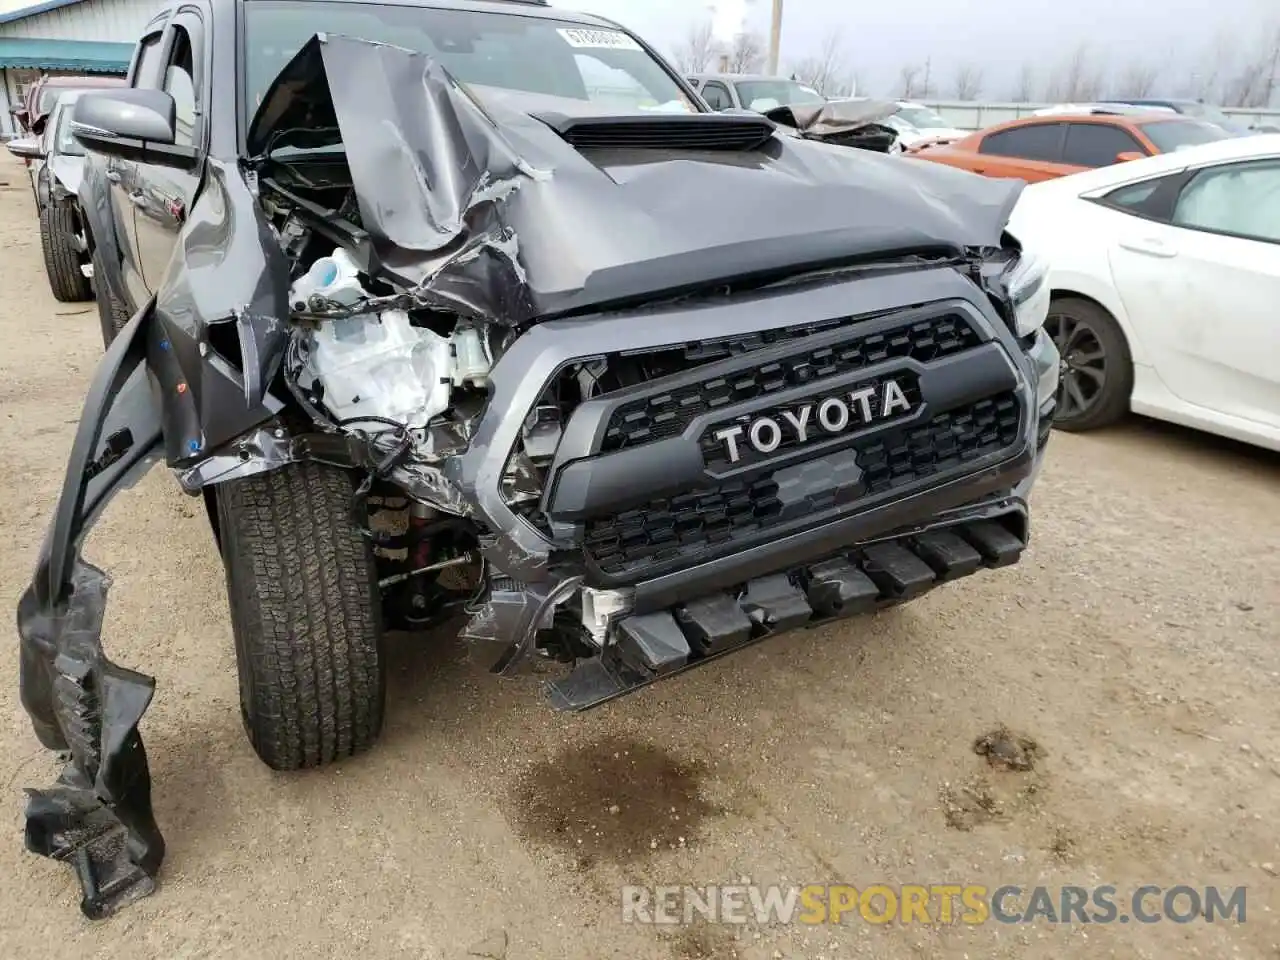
(881, 35)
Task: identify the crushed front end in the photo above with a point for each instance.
(591, 405)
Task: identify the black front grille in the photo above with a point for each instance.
(656, 417)
(716, 519)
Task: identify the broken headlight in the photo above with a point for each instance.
(1028, 284)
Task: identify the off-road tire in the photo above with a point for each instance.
(61, 259)
(112, 314)
(305, 611)
(1112, 401)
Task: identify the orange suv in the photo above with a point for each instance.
(1045, 147)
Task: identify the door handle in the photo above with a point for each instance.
(113, 176)
(137, 199)
(1151, 246)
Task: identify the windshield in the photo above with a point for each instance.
(64, 142)
(768, 94)
(480, 49)
(922, 118)
(47, 99)
(1170, 135)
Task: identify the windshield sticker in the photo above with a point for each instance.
(584, 39)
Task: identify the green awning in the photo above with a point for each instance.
(85, 56)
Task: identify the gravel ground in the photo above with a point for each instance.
(1136, 645)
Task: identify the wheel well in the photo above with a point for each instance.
(1073, 295)
(211, 508)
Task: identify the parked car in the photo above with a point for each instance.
(858, 122)
(1192, 108)
(748, 91)
(1165, 279)
(42, 96)
(1045, 147)
(57, 168)
(919, 127)
(626, 388)
(1097, 108)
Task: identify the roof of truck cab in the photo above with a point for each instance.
(740, 76)
(522, 8)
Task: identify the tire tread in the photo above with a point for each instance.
(61, 259)
(305, 609)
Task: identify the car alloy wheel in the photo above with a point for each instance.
(1082, 373)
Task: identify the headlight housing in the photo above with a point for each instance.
(1028, 284)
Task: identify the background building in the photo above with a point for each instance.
(64, 37)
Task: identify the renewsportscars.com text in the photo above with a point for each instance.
(932, 903)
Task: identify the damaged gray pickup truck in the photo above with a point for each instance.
(500, 325)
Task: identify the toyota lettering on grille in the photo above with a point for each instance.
(816, 419)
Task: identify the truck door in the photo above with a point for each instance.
(123, 175)
(164, 194)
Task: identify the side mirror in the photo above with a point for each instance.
(27, 148)
(1126, 155)
(133, 124)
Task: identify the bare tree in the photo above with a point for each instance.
(1024, 84)
(967, 82)
(1252, 80)
(1210, 73)
(1080, 77)
(909, 85)
(828, 70)
(1138, 80)
(747, 53)
(697, 51)
(1247, 87)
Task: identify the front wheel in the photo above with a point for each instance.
(58, 242)
(303, 593)
(1095, 378)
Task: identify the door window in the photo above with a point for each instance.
(1035, 141)
(146, 66)
(717, 96)
(1241, 199)
(1097, 144)
(179, 83)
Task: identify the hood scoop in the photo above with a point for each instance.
(698, 131)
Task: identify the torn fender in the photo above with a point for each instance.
(97, 816)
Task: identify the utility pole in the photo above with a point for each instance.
(1271, 76)
(775, 37)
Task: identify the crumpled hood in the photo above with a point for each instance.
(496, 213)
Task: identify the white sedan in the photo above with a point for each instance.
(919, 127)
(1165, 279)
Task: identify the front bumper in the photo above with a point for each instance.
(638, 507)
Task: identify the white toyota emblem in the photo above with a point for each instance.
(816, 418)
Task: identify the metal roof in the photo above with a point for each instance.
(23, 12)
(86, 56)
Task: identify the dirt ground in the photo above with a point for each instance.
(1136, 645)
